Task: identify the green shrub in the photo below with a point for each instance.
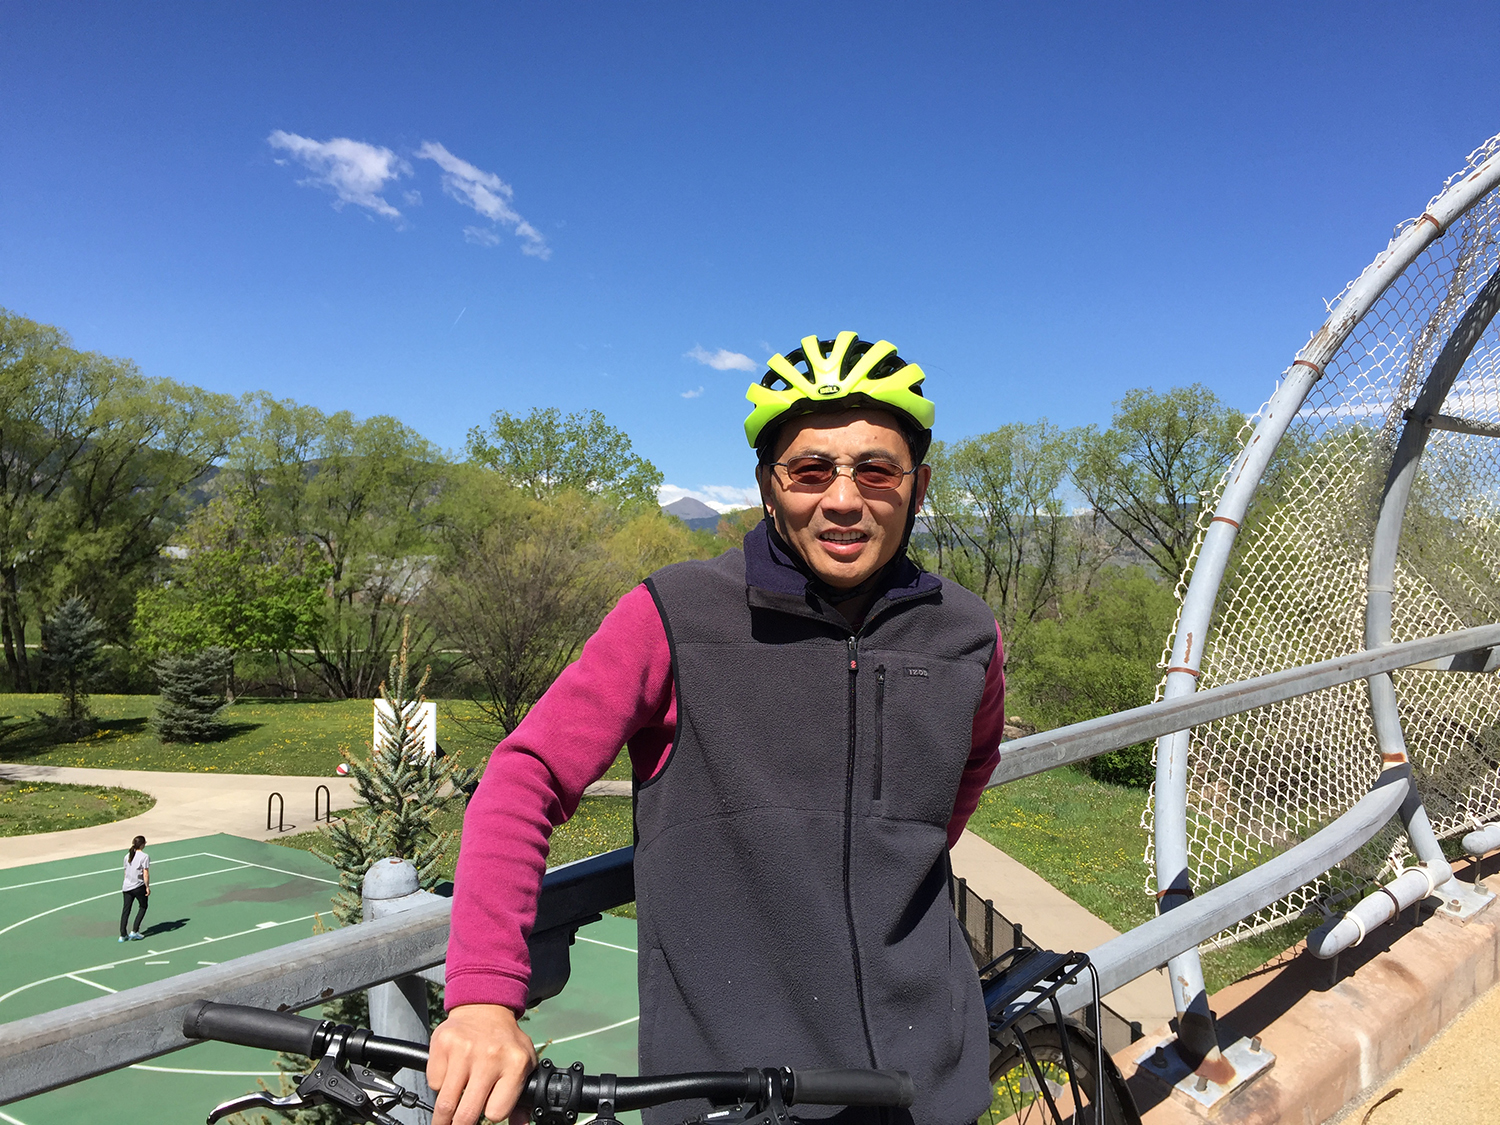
(1098, 657)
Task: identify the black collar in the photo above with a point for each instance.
(773, 567)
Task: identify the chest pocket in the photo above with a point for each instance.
(921, 728)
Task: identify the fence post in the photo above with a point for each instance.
(399, 1009)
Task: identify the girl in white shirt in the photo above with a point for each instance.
(137, 887)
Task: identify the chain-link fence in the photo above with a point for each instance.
(1295, 588)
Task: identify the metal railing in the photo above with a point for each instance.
(990, 933)
(56, 1048)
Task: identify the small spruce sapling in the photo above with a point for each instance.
(71, 639)
(192, 695)
(403, 791)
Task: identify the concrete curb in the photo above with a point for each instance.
(1335, 1040)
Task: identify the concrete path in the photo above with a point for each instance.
(1054, 921)
(187, 805)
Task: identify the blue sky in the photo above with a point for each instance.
(564, 204)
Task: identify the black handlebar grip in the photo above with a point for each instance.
(250, 1027)
(851, 1087)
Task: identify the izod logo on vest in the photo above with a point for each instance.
(922, 672)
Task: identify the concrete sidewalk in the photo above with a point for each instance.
(1054, 921)
(187, 805)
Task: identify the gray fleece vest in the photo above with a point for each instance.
(791, 865)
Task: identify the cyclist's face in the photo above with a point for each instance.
(844, 532)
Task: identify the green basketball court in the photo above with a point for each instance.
(215, 898)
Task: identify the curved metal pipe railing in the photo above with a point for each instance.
(1197, 1035)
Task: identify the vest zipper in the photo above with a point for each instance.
(879, 726)
(859, 981)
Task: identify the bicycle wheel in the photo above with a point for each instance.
(1019, 1097)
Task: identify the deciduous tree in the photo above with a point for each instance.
(95, 464)
(358, 497)
(239, 586)
(547, 452)
(1148, 473)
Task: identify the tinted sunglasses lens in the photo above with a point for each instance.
(878, 474)
(812, 471)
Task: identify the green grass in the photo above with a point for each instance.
(1085, 838)
(272, 736)
(28, 807)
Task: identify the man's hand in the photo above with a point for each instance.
(479, 1059)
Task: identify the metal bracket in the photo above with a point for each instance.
(1245, 1058)
(1462, 900)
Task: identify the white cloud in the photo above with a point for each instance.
(412, 198)
(693, 394)
(719, 497)
(487, 194)
(481, 236)
(354, 171)
(722, 359)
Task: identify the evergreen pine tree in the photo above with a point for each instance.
(192, 695)
(71, 638)
(402, 788)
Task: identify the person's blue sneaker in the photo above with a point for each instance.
(137, 937)
(123, 939)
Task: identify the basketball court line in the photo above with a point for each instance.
(585, 1034)
(149, 953)
(91, 984)
(218, 1073)
(104, 871)
(112, 894)
(167, 859)
(278, 870)
(610, 944)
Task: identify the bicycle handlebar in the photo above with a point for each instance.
(284, 1031)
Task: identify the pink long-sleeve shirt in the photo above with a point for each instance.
(618, 693)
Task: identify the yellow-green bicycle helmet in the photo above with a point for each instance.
(845, 372)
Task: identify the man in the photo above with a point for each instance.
(810, 721)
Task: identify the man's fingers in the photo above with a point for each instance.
(437, 1061)
(502, 1100)
(448, 1090)
(476, 1095)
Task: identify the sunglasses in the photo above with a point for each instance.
(819, 472)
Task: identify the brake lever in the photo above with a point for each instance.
(362, 1093)
(260, 1100)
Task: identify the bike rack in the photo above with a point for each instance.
(328, 812)
(280, 812)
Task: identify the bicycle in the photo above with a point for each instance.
(1045, 1067)
(353, 1068)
